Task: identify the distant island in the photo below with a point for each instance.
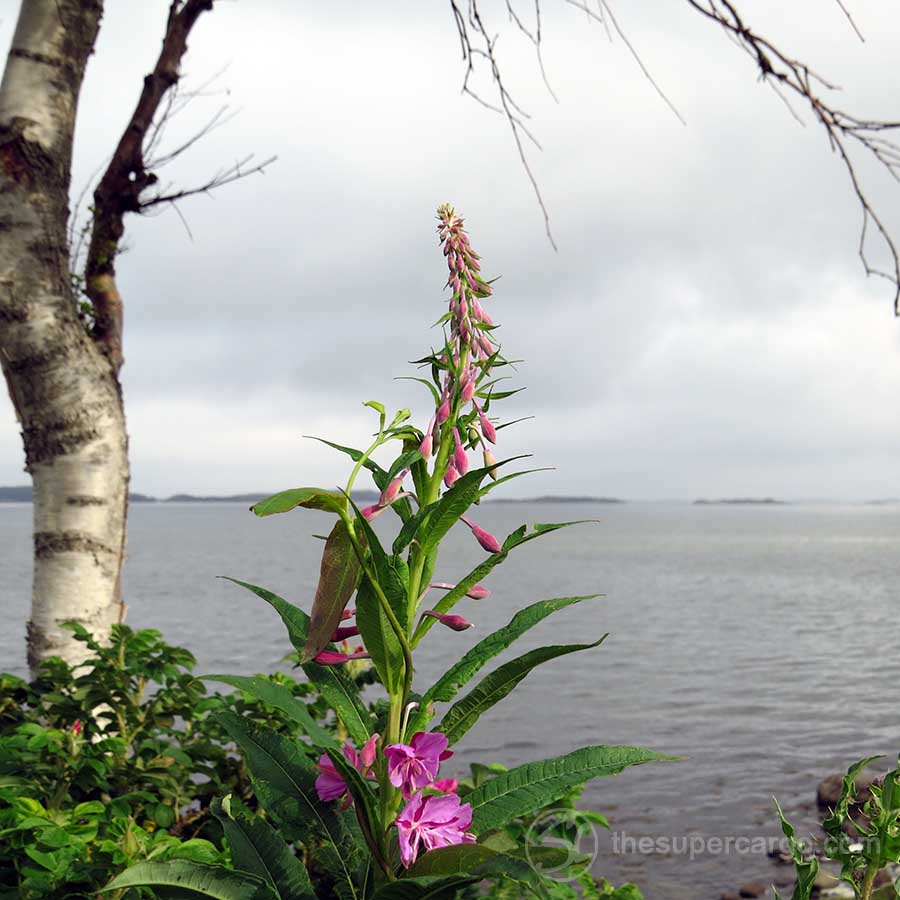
(741, 501)
(557, 498)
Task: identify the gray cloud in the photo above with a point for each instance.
(704, 328)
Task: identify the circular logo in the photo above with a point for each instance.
(561, 844)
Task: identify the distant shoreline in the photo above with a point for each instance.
(742, 501)
(22, 494)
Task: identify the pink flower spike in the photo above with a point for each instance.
(451, 476)
(485, 538)
(451, 620)
(333, 658)
(341, 634)
(429, 822)
(445, 785)
(477, 592)
(415, 765)
(460, 460)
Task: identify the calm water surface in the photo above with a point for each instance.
(756, 642)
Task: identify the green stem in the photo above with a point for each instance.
(869, 881)
(362, 461)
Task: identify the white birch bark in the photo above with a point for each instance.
(63, 386)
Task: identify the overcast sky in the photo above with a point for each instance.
(705, 328)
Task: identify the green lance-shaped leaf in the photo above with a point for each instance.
(480, 861)
(338, 689)
(424, 888)
(807, 869)
(494, 687)
(215, 882)
(284, 780)
(448, 685)
(279, 696)
(338, 577)
(257, 848)
(307, 497)
(379, 637)
(523, 790)
(516, 539)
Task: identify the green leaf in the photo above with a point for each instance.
(519, 537)
(447, 686)
(379, 637)
(338, 689)
(257, 848)
(404, 461)
(338, 577)
(477, 860)
(308, 498)
(523, 790)
(424, 888)
(807, 869)
(279, 696)
(285, 783)
(494, 687)
(215, 882)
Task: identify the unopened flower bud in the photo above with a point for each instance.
(451, 476)
(367, 754)
(443, 411)
(341, 634)
(485, 538)
(370, 512)
(451, 620)
(348, 614)
(468, 389)
(392, 491)
(487, 429)
(445, 785)
(489, 460)
(460, 459)
(478, 592)
(333, 658)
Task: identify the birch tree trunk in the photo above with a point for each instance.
(62, 382)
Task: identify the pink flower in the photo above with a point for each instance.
(443, 411)
(415, 765)
(451, 620)
(431, 821)
(370, 512)
(329, 785)
(485, 538)
(451, 475)
(76, 728)
(427, 444)
(445, 785)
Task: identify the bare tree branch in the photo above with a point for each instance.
(130, 173)
(844, 130)
(846, 12)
